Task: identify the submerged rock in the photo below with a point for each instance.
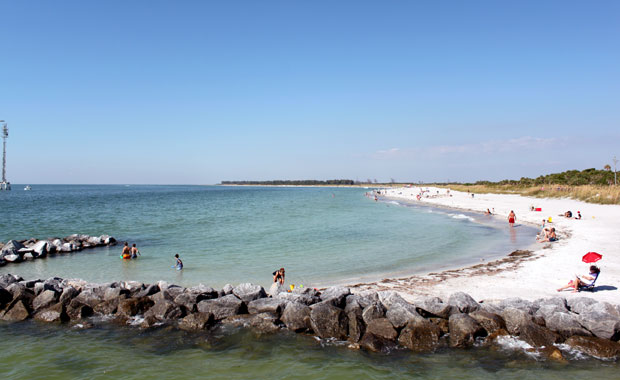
(594, 346)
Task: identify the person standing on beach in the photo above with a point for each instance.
(512, 218)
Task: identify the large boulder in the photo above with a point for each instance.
(602, 319)
(489, 321)
(12, 247)
(537, 336)
(373, 311)
(19, 311)
(249, 292)
(434, 307)
(138, 291)
(376, 343)
(565, 324)
(5, 296)
(89, 297)
(306, 299)
(263, 323)
(420, 335)
(267, 305)
(336, 295)
(597, 347)
(276, 288)
(164, 310)
(464, 330)
(518, 303)
(44, 300)
(401, 314)
(222, 307)
(68, 293)
(40, 248)
(133, 306)
(114, 293)
(13, 257)
(55, 313)
(515, 318)
(579, 305)
(463, 302)
(296, 316)
(382, 328)
(8, 279)
(354, 311)
(196, 321)
(328, 321)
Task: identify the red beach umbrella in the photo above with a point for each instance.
(591, 257)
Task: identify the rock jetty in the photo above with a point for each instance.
(374, 321)
(15, 251)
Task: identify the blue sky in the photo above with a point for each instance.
(199, 92)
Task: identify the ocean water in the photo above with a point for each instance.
(231, 235)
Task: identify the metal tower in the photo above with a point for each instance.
(4, 185)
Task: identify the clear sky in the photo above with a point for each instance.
(196, 92)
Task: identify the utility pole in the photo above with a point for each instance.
(4, 185)
(615, 162)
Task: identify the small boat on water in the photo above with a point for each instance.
(27, 188)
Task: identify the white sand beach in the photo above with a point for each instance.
(550, 266)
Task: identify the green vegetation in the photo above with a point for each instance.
(304, 182)
(590, 185)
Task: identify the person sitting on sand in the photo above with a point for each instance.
(512, 218)
(568, 214)
(583, 281)
(179, 263)
(578, 215)
(278, 276)
(126, 253)
(134, 252)
(544, 234)
(550, 237)
(488, 212)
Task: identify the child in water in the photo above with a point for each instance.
(179, 263)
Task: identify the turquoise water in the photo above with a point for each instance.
(229, 234)
(239, 234)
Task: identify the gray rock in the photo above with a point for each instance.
(40, 248)
(227, 289)
(373, 311)
(114, 293)
(12, 247)
(382, 328)
(222, 307)
(463, 302)
(489, 321)
(88, 297)
(5, 297)
(306, 299)
(545, 312)
(374, 343)
(296, 317)
(602, 320)
(12, 258)
(276, 288)
(518, 303)
(8, 279)
(565, 324)
(133, 306)
(328, 321)
(164, 310)
(434, 307)
(267, 305)
(68, 293)
(537, 336)
(196, 321)
(263, 323)
(18, 312)
(55, 313)
(420, 335)
(44, 300)
(336, 295)
(399, 315)
(203, 292)
(464, 330)
(579, 305)
(515, 318)
(390, 299)
(148, 291)
(249, 292)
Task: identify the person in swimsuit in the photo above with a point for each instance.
(278, 276)
(179, 264)
(583, 281)
(134, 252)
(512, 218)
(550, 236)
(126, 254)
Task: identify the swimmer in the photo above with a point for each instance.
(135, 252)
(126, 253)
(179, 264)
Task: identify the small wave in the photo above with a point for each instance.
(510, 343)
(462, 216)
(394, 203)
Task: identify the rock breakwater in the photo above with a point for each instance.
(17, 251)
(374, 321)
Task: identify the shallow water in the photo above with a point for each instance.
(240, 234)
(34, 351)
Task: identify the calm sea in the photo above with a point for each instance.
(238, 234)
